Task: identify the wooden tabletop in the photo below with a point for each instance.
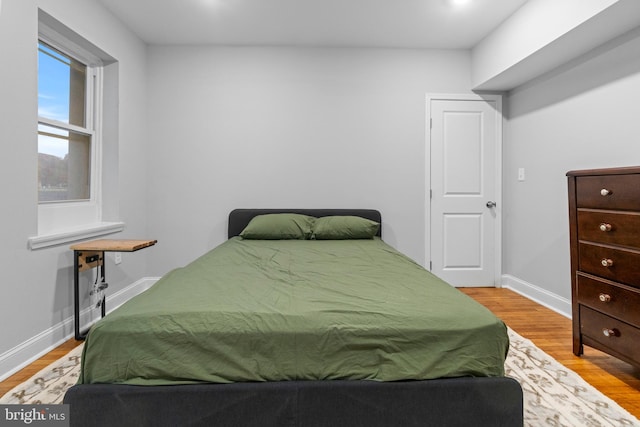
(110, 245)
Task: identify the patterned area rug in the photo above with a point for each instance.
(557, 396)
(553, 394)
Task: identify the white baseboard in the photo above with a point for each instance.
(541, 296)
(23, 354)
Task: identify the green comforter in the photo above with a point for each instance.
(257, 310)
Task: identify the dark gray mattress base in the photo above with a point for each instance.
(441, 402)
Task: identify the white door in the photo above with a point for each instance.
(465, 142)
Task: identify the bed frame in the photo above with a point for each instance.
(467, 401)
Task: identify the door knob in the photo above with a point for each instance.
(491, 204)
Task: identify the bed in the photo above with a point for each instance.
(312, 329)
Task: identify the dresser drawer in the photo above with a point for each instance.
(609, 298)
(619, 228)
(620, 265)
(608, 191)
(611, 333)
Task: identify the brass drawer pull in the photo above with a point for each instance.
(604, 297)
(605, 227)
(606, 262)
(605, 192)
(610, 332)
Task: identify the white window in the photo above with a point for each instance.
(70, 91)
(66, 131)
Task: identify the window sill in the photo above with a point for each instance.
(71, 235)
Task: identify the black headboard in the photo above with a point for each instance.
(239, 218)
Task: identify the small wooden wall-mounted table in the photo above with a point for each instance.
(88, 255)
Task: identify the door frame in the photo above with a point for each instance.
(498, 174)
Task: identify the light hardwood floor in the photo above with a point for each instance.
(547, 329)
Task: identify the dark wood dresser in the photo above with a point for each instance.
(604, 220)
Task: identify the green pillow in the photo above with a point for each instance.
(281, 226)
(344, 227)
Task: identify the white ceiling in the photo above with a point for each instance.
(353, 23)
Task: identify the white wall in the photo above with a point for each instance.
(583, 115)
(285, 127)
(37, 286)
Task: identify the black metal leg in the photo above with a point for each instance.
(104, 279)
(76, 295)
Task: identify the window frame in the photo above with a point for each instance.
(68, 220)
